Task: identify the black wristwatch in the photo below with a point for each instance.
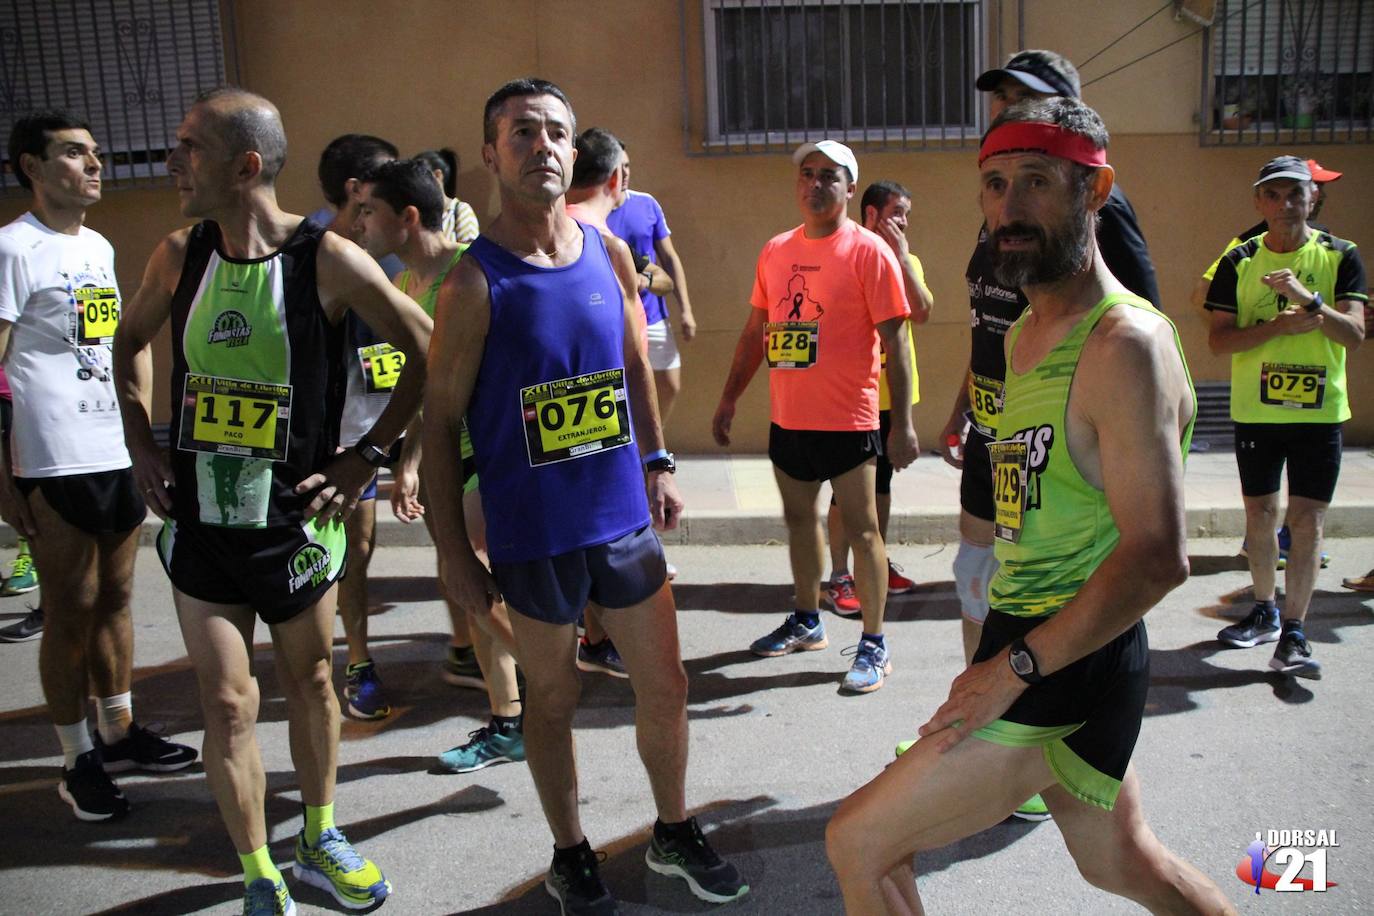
(1316, 303)
(370, 453)
(662, 463)
(1023, 662)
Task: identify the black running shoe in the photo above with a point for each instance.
(92, 795)
(143, 749)
(691, 858)
(31, 627)
(1260, 625)
(1294, 656)
(574, 880)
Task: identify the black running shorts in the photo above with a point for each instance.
(106, 502)
(1085, 717)
(810, 455)
(975, 486)
(277, 571)
(620, 574)
(1312, 452)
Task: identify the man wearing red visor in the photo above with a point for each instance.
(1088, 490)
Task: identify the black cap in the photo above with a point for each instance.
(1284, 167)
(1043, 71)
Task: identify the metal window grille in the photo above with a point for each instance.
(130, 67)
(1289, 71)
(888, 72)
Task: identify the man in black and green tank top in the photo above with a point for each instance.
(1288, 305)
(252, 493)
(1088, 492)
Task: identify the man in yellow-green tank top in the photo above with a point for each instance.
(1088, 491)
(1287, 305)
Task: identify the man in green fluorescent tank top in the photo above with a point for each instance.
(252, 493)
(1088, 491)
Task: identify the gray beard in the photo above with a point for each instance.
(1060, 256)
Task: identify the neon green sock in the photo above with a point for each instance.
(258, 864)
(317, 821)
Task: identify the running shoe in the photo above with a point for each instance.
(575, 882)
(898, 584)
(31, 627)
(144, 749)
(1294, 656)
(871, 665)
(600, 657)
(364, 692)
(333, 865)
(1033, 809)
(461, 668)
(1363, 583)
(489, 745)
(792, 636)
(1260, 625)
(265, 897)
(1286, 541)
(672, 572)
(904, 746)
(91, 793)
(839, 592)
(23, 577)
(693, 860)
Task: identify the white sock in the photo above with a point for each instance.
(113, 716)
(76, 740)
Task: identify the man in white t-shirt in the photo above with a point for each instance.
(66, 482)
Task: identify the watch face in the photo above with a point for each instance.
(1021, 663)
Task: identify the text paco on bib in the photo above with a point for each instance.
(226, 416)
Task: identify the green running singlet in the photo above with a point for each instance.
(1053, 527)
(257, 382)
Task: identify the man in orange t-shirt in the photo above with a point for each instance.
(825, 295)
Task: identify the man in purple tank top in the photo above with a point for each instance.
(553, 432)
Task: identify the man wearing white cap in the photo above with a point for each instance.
(1287, 306)
(825, 295)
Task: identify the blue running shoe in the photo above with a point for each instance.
(871, 665)
(1286, 542)
(489, 745)
(364, 692)
(333, 865)
(601, 657)
(264, 897)
(792, 636)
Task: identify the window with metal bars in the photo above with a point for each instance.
(1290, 71)
(889, 71)
(130, 67)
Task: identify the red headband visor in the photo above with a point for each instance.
(1040, 138)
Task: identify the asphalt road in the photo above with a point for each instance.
(1228, 748)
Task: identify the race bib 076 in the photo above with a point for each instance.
(574, 417)
(227, 416)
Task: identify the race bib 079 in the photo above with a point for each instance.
(1298, 387)
(227, 416)
(574, 417)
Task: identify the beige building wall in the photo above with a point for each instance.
(418, 72)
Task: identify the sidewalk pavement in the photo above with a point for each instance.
(733, 499)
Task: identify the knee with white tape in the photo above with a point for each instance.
(974, 567)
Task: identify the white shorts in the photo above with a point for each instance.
(663, 354)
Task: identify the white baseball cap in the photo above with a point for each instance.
(833, 150)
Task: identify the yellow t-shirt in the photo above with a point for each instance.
(884, 398)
